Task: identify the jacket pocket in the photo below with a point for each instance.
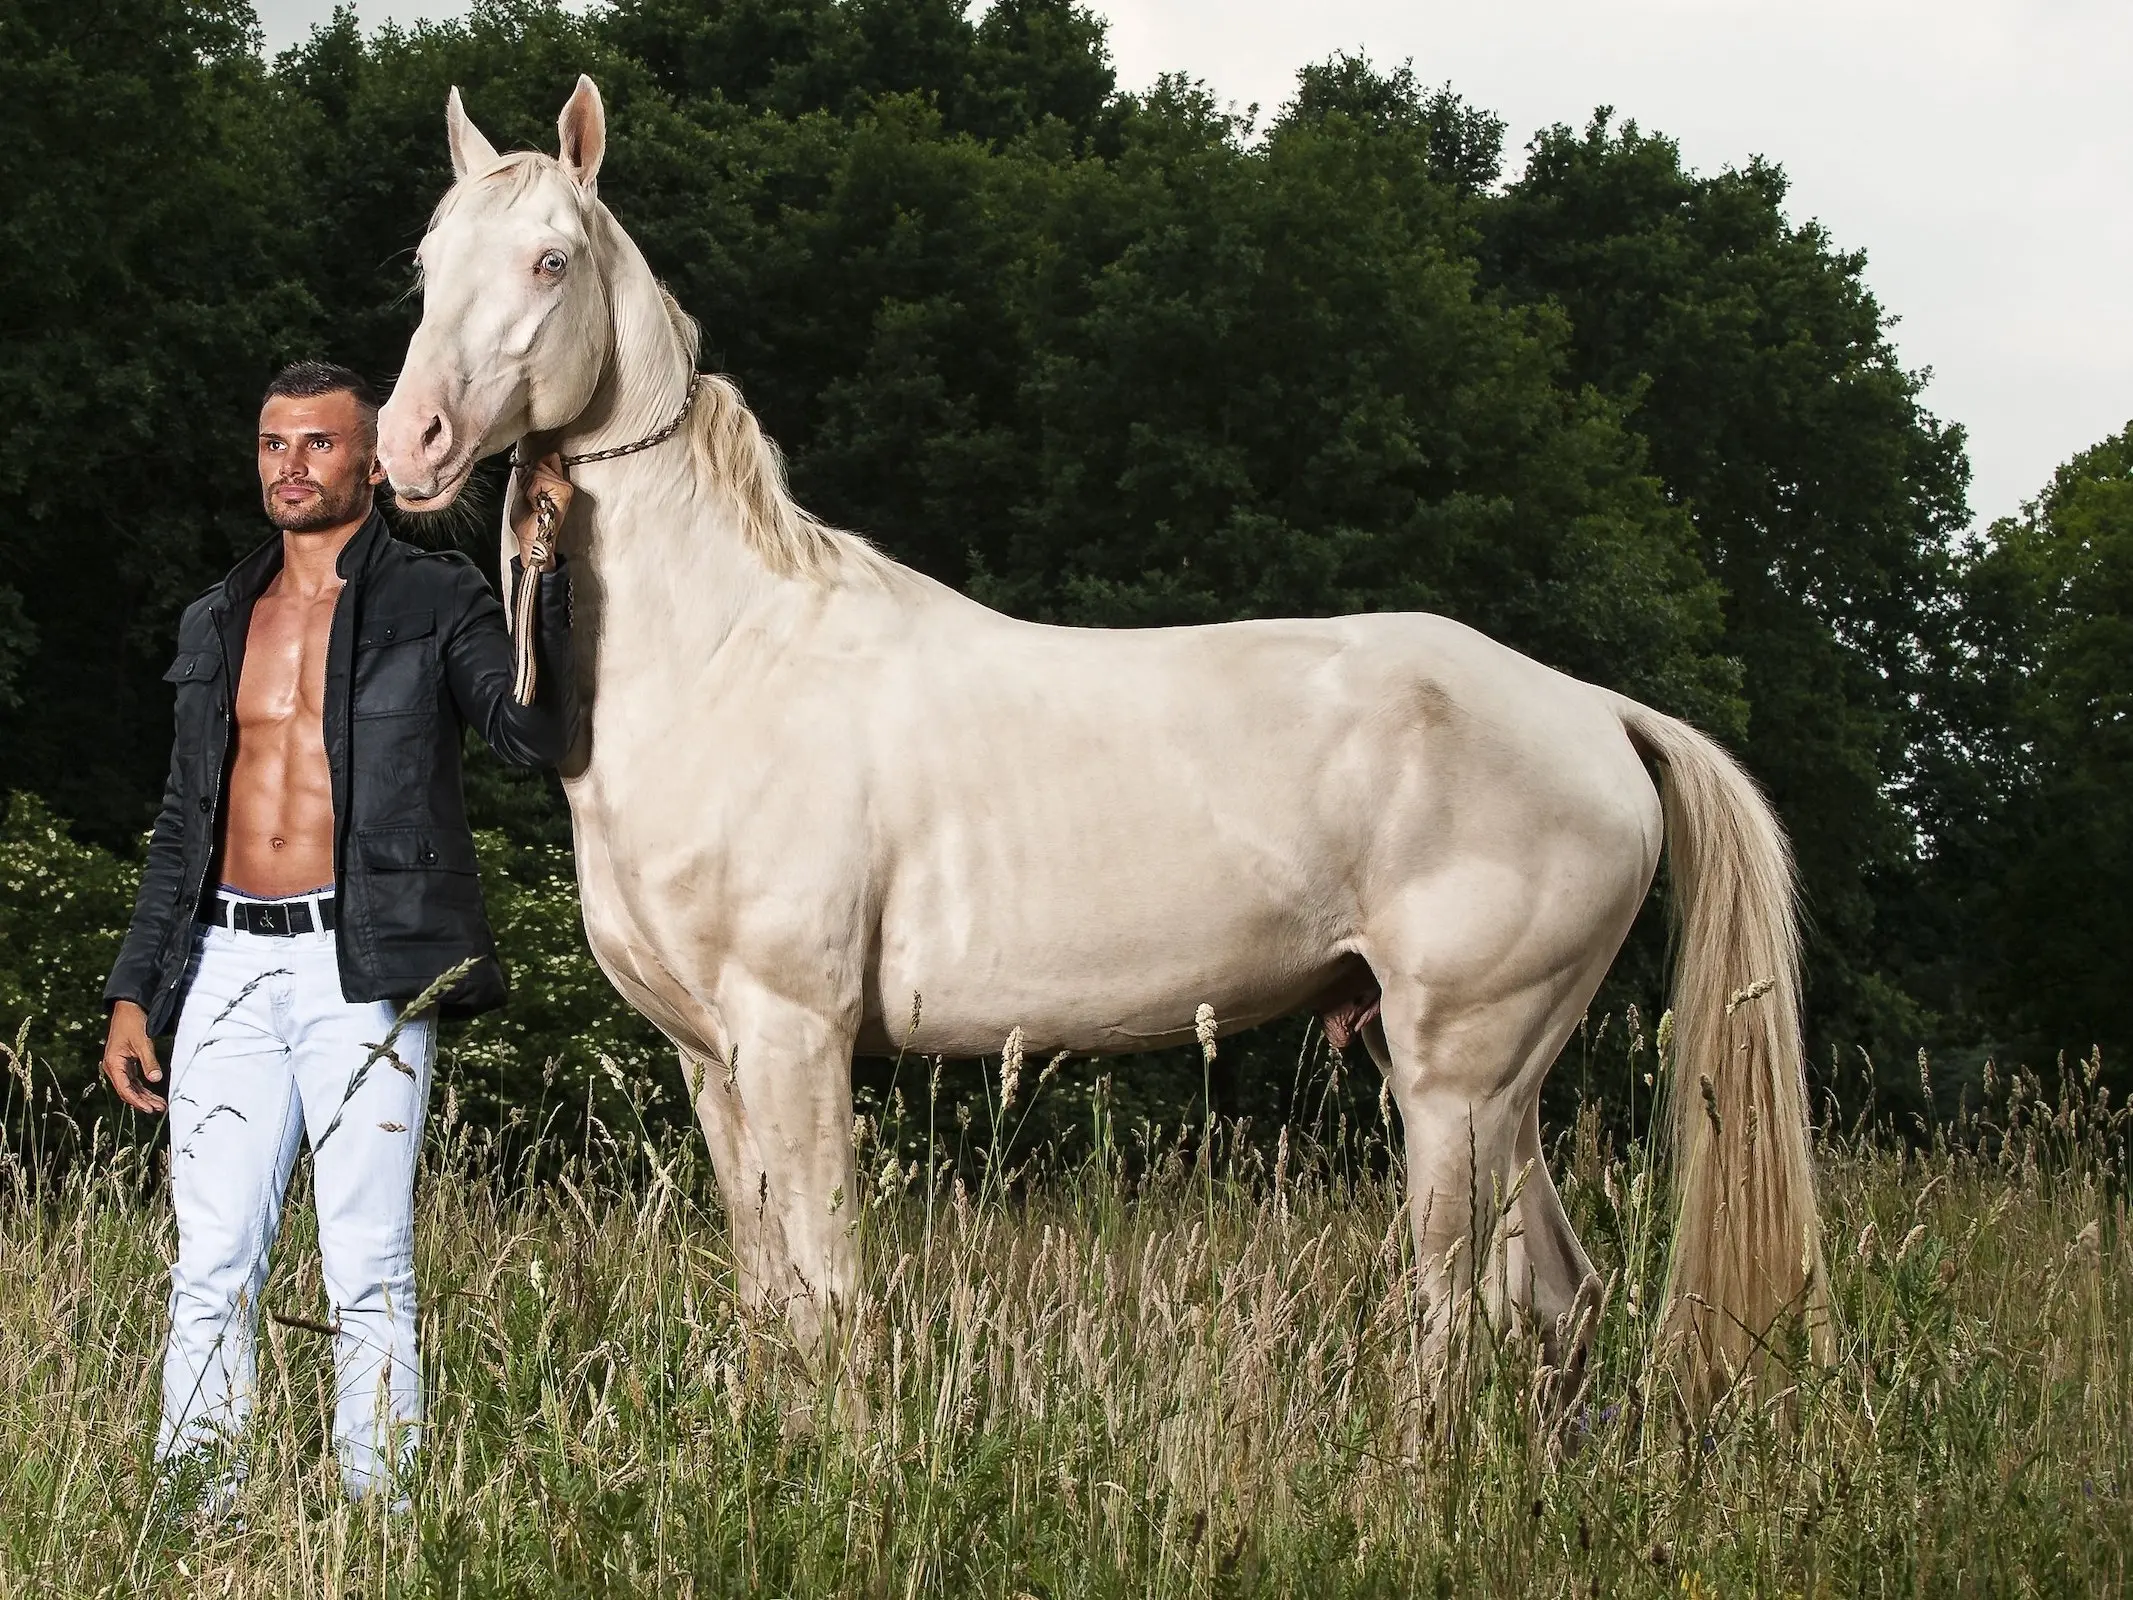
(421, 898)
(415, 850)
(395, 665)
(194, 666)
(198, 714)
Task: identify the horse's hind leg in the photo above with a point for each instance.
(1459, 1170)
(1551, 1266)
(1491, 1240)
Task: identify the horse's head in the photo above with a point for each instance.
(515, 327)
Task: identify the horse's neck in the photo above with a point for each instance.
(670, 576)
(649, 369)
(665, 575)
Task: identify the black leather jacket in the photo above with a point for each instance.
(418, 648)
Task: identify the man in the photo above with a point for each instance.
(311, 867)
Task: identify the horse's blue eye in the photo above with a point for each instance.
(553, 262)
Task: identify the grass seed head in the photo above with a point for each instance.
(1011, 1068)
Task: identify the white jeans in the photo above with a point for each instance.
(267, 1053)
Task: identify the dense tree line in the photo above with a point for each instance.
(1109, 358)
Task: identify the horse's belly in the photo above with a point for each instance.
(1101, 960)
(1097, 858)
(1118, 1012)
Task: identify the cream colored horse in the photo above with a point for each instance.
(815, 786)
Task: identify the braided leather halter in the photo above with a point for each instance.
(656, 437)
(545, 515)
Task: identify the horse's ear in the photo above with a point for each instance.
(470, 151)
(583, 127)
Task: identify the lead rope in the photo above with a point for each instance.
(540, 559)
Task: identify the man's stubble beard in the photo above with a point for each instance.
(327, 511)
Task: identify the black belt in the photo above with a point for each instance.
(277, 919)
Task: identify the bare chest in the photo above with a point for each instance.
(284, 678)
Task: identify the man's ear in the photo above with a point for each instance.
(583, 128)
(377, 468)
(470, 151)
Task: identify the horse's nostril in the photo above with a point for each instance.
(434, 433)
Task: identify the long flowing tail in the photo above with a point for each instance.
(1747, 1241)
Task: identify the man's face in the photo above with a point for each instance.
(318, 461)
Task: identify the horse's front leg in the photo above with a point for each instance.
(788, 1073)
(716, 1095)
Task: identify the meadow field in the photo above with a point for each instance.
(1153, 1366)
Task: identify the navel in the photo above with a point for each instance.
(277, 843)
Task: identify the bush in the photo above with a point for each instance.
(564, 1020)
(64, 907)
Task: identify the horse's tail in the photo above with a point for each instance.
(1747, 1242)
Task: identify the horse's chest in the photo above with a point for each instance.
(677, 903)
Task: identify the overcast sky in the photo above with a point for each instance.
(1979, 151)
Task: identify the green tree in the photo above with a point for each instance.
(2041, 856)
(1021, 63)
(147, 289)
(1213, 379)
(1825, 498)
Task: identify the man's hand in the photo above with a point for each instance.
(130, 1058)
(545, 478)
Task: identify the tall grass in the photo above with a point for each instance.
(1153, 1370)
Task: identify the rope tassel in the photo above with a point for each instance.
(534, 562)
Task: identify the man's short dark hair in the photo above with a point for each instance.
(306, 380)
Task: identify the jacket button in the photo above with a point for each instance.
(389, 634)
(206, 805)
(429, 856)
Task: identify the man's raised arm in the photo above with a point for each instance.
(482, 667)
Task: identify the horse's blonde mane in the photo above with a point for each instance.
(737, 459)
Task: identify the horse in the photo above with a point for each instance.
(823, 806)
